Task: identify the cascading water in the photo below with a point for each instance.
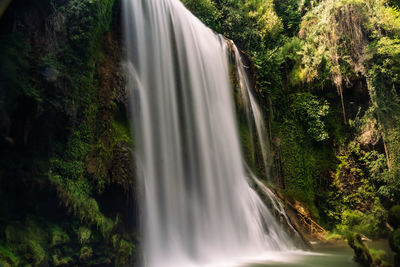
(255, 119)
(198, 208)
(253, 110)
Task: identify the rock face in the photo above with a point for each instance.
(67, 192)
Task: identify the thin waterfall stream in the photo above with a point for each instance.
(198, 208)
(252, 109)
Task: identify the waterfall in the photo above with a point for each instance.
(253, 110)
(197, 206)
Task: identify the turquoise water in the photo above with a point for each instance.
(335, 255)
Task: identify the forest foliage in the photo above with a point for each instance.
(65, 139)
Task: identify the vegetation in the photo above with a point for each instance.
(63, 128)
(328, 81)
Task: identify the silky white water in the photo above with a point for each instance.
(197, 206)
(253, 110)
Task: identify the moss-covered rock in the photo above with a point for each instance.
(362, 253)
(379, 257)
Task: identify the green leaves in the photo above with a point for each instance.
(206, 11)
(311, 111)
(251, 24)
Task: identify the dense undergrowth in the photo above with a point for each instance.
(66, 176)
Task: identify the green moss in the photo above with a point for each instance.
(76, 198)
(362, 253)
(88, 22)
(121, 132)
(246, 140)
(304, 164)
(379, 257)
(124, 249)
(84, 235)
